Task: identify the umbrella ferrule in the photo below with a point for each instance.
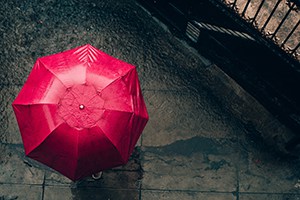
(81, 106)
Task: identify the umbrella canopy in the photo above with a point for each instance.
(80, 111)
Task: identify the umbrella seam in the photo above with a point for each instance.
(120, 77)
(44, 139)
(123, 161)
(76, 160)
(35, 104)
(50, 130)
(131, 118)
(113, 111)
(44, 65)
(131, 112)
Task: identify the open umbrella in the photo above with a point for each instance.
(80, 112)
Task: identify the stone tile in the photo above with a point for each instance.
(200, 164)
(175, 115)
(269, 196)
(9, 131)
(15, 191)
(16, 168)
(56, 192)
(110, 179)
(264, 171)
(53, 177)
(186, 195)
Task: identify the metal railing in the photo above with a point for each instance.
(277, 20)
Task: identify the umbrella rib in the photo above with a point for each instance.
(123, 111)
(44, 139)
(119, 78)
(93, 97)
(35, 104)
(112, 144)
(44, 65)
(77, 153)
(131, 112)
(52, 125)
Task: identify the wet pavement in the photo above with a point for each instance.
(206, 137)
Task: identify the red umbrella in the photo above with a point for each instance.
(80, 112)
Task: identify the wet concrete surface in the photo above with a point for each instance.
(206, 137)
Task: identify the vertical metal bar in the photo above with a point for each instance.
(295, 49)
(234, 4)
(258, 10)
(282, 21)
(245, 8)
(274, 9)
(290, 34)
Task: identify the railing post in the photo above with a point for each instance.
(245, 8)
(274, 9)
(258, 10)
(290, 34)
(282, 21)
(294, 50)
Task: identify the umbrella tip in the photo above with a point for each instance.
(81, 106)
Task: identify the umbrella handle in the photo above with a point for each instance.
(97, 175)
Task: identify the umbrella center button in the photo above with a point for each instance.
(81, 107)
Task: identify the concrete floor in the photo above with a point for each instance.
(202, 140)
